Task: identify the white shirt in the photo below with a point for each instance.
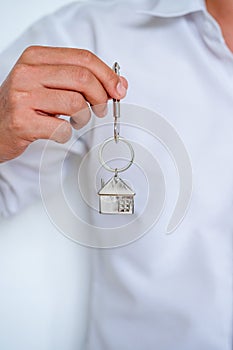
(160, 292)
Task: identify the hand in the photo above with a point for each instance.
(47, 82)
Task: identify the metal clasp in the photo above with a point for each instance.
(116, 108)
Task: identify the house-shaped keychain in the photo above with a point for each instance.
(116, 197)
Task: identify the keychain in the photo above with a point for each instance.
(115, 196)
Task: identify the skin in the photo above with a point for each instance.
(222, 11)
(45, 83)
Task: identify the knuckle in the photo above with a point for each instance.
(75, 102)
(18, 71)
(86, 56)
(112, 78)
(17, 99)
(83, 76)
(21, 72)
(31, 51)
(16, 124)
(13, 99)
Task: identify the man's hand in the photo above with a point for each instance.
(47, 82)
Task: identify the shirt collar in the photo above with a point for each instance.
(172, 8)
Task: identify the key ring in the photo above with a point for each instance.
(105, 165)
(116, 196)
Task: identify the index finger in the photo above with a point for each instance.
(114, 85)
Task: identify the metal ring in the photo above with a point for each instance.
(107, 167)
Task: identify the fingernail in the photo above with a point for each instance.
(105, 111)
(100, 110)
(121, 89)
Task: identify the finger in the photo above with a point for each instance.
(70, 78)
(100, 110)
(45, 127)
(69, 103)
(80, 119)
(58, 102)
(115, 86)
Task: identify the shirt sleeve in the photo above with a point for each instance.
(19, 178)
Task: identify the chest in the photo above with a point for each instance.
(184, 81)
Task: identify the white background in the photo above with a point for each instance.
(43, 275)
(17, 15)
